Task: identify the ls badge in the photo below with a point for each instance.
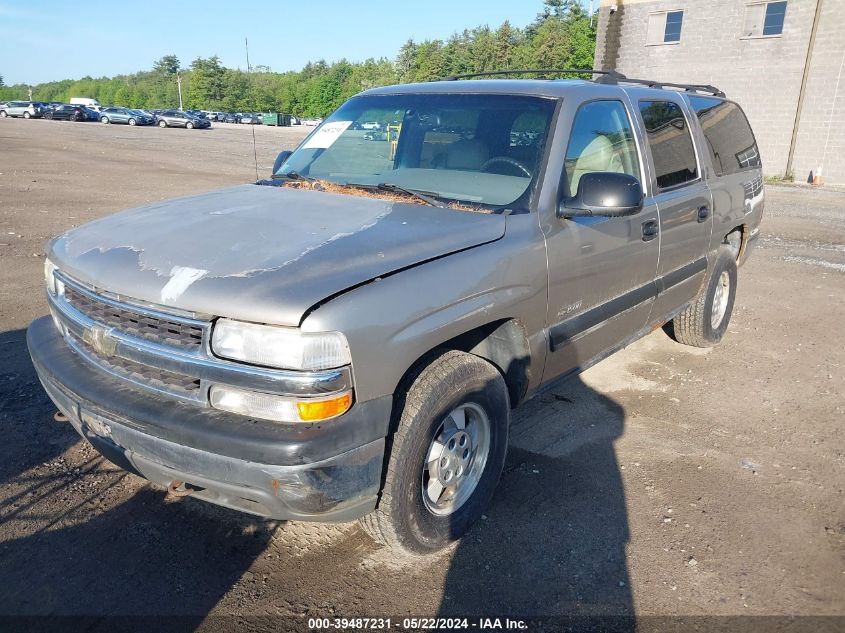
(100, 339)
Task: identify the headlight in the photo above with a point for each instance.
(49, 277)
(278, 408)
(283, 347)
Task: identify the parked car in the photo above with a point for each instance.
(66, 112)
(233, 118)
(24, 109)
(312, 122)
(174, 118)
(316, 355)
(125, 115)
(250, 119)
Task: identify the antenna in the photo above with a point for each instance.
(252, 125)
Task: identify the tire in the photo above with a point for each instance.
(162, 123)
(104, 120)
(3, 114)
(704, 322)
(26, 115)
(411, 515)
(131, 121)
(49, 116)
(189, 125)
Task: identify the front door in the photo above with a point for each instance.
(601, 270)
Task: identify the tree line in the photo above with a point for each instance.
(562, 36)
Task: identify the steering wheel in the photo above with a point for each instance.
(507, 160)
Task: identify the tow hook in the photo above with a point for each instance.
(58, 416)
(180, 489)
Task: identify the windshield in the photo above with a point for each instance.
(478, 149)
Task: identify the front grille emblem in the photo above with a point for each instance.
(101, 340)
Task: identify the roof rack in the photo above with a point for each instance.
(608, 77)
(529, 71)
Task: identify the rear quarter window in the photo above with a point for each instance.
(730, 141)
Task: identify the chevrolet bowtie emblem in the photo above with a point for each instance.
(100, 339)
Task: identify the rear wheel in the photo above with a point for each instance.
(446, 456)
(3, 114)
(704, 322)
(162, 123)
(26, 115)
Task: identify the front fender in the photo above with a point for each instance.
(392, 322)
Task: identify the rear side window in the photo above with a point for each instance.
(730, 140)
(670, 142)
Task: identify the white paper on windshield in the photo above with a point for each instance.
(327, 135)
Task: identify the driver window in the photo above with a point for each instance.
(601, 141)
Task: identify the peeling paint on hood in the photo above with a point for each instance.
(263, 254)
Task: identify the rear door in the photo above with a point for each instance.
(681, 194)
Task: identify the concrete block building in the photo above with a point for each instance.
(783, 61)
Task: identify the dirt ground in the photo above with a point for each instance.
(664, 481)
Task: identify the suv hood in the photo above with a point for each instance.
(263, 254)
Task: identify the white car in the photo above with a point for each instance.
(371, 125)
(311, 122)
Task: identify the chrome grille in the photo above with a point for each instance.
(133, 323)
(145, 375)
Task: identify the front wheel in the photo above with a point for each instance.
(104, 120)
(162, 123)
(3, 114)
(446, 456)
(704, 322)
(189, 125)
(26, 115)
(131, 121)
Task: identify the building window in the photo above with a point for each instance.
(664, 27)
(672, 32)
(764, 19)
(775, 13)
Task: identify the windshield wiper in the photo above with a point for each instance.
(294, 175)
(394, 188)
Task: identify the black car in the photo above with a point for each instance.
(68, 113)
(232, 118)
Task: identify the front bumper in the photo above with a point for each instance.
(311, 472)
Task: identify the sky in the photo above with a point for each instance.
(49, 40)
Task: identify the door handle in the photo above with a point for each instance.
(703, 213)
(649, 230)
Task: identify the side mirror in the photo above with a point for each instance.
(603, 194)
(280, 159)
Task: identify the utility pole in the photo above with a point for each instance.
(179, 85)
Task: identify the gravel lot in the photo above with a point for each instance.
(664, 481)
